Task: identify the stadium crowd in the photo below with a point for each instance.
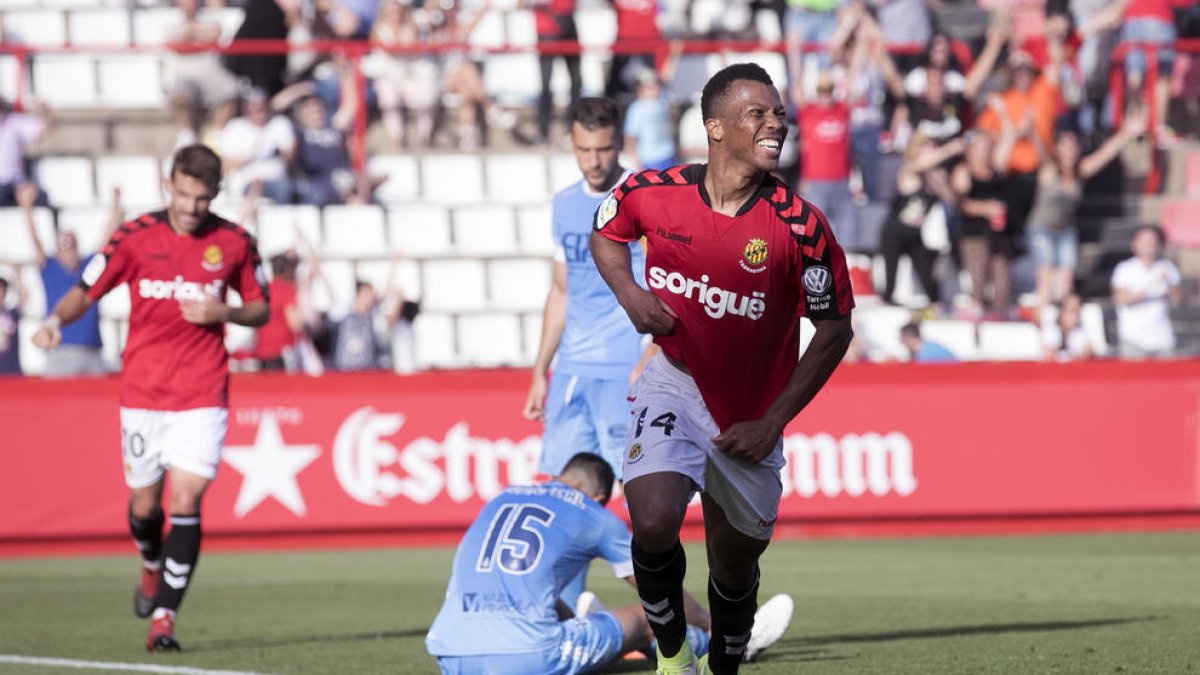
(958, 154)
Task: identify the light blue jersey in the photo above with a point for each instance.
(598, 341)
(519, 553)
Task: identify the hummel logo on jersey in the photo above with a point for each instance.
(178, 289)
(716, 300)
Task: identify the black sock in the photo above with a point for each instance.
(732, 618)
(180, 553)
(147, 534)
(660, 586)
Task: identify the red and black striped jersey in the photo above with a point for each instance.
(739, 285)
(168, 363)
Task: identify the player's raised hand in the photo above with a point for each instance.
(649, 314)
(535, 401)
(750, 441)
(204, 312)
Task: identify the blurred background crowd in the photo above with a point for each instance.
(1012, 179)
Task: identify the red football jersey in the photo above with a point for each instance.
(825, 142)
(738, 285)
(168, 363)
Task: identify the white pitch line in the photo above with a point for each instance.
(111, 665)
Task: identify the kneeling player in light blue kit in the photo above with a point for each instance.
(502, 612)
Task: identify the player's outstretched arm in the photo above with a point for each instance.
(554, 319)
(754, 440)
(68, 310)
(646, 312)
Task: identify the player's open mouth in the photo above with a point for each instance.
(771, 145)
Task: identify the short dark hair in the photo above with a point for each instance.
(595, 112)
(1158, 232)
(595, 471)
(199, 162)
(718, 85)
(359, 284)
(911, 330)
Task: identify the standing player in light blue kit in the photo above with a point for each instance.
(502, 612)
(584, 404)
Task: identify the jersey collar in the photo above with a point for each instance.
(763, 192)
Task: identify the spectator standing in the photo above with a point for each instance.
(708, 412)
(276, 340)
(907, 28)
(180, 264)
(17, 132)
(202, 87)
(557, 37)
(321, 166)
(825, 155)
(347, 19)
(463, 76)
(1150, 22)
(78, 351)
(921, 350)
(984, 246)
(1144, 288)
(257, 147)
(264, 20)
(401, 80)
(356, 344)
(1053, 226)
(808, 27)
(10, 321)
(649, 134)
(1065, 338)
(638, 39)
(920, 183)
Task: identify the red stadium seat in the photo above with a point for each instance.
(1181, 221)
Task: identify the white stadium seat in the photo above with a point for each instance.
(516, 179)
(277, 226)
(453, 285)
(531, 331)
(116, 303)
(131, 81)
(8, 5)
(452, 179)
(230, 18)
(534, 230)
(8, 78)
(435, 343)
(956, 335)
(65, 80)
(33, 360)
(154, 26)
(35, 300)
(1009, 341)
(68, 181)
(113, 335)
(334, 292)
(522, 30)
(1091, 317)
(46, 27)
(89, 223)
(406, 279)
(489, 32)
(99, 27)
(15, 246)
(402, 184)
(490, 340)
(513, 78)
(138, 178)
(420, 231)
(485, 230)
(597, 25)
(354, 231)
(519, 284)
(880, 328)
(564, 171)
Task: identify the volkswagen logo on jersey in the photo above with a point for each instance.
(754, 256)
(212, 260)
(817, 279)
(607, 211)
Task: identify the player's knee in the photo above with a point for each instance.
(185, 502)
(655, 532)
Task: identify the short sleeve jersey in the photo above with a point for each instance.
(739, 285)
(168, 363)
(514, 561)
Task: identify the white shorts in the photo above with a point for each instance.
(670, 432)
(155, 440)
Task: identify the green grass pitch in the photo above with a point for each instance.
(1087, 604)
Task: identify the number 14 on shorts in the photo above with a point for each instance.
(665, 421)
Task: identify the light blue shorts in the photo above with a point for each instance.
(584, 415)
(587, 644)
(1054, 248)
(1151, 31)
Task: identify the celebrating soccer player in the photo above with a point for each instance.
(734, 259)
(180, 264)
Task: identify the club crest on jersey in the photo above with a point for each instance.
(817, 279)
(607, 211)
(635, 452)
(212, 260)
(754, 256)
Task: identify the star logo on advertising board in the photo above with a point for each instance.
(269, 469)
